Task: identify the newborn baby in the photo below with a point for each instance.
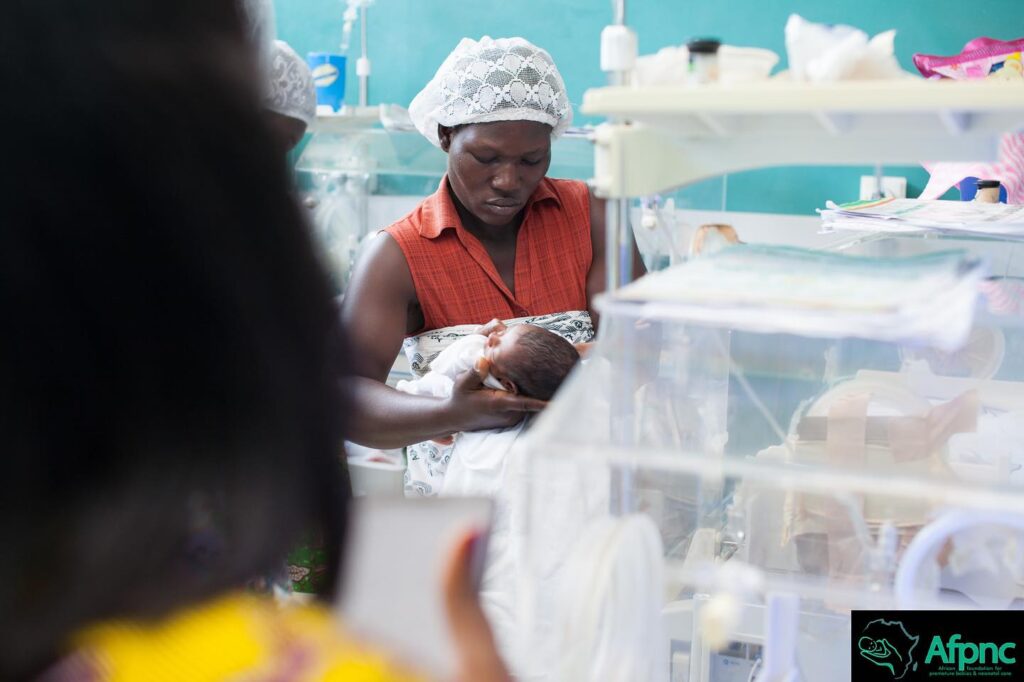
(523, 359)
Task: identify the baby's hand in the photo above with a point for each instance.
(494, 325)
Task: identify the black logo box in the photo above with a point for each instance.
(869, 656)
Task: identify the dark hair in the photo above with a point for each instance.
(541, 363)
(169, 395)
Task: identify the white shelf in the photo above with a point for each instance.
(780, 96)
(349, 118)
(679, 135)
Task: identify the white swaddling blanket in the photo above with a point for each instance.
(459, 357)
(476, 459)
(478, 463)
(428, 462)
(476, 466)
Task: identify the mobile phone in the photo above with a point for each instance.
(391, 592)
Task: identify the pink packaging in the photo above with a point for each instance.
(975, 61)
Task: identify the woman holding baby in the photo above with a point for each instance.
(498, 241)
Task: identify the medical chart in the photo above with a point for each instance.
(917, 215)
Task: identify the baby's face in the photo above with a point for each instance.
(501, 349)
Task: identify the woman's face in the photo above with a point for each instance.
(286, 131)
(493, 168)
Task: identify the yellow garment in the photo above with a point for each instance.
(235, 638)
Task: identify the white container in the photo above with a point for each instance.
(375, 473)
(745, 64)
(375, 479)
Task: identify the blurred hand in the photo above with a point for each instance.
(494, 325)
(474, 643)
(476, 407)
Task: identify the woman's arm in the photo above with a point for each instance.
(596, 278)
(375, 315)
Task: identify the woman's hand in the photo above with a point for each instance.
(478, 659)
(474, 407)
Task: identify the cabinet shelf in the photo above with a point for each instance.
(676, 135)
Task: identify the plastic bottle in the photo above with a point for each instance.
(988, 192)
(703, 61)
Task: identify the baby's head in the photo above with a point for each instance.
(530, 360)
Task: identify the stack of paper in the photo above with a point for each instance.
(926, 300)
(918, 215)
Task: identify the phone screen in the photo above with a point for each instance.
(391, 579)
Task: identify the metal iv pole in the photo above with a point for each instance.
(363, 63)
(618, 57)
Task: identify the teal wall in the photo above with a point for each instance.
(408, 39)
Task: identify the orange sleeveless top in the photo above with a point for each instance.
(456, 281)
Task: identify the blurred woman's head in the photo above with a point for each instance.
(168, 405)
(290, 98)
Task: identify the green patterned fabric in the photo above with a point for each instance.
(307, 566)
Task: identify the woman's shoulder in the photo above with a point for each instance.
(235, 637)
(407, 226)
(571, 202)
(429, 218)
(565, 209)
(565, 188)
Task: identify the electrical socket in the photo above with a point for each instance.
(891, 187)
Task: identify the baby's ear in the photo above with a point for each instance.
(583, 348)
(509, 386)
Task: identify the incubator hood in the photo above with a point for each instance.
(848, 469)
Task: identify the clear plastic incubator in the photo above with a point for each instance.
(766, 438)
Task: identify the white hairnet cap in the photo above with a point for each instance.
(508, 79)
(290, 91)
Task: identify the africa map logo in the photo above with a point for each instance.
(887, 644)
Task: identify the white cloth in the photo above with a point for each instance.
(459, 357)
(428, 461)
(476, 464)
(508, 79)
(574, 326)
(290, 90)
(827, 53)
(480, 463)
